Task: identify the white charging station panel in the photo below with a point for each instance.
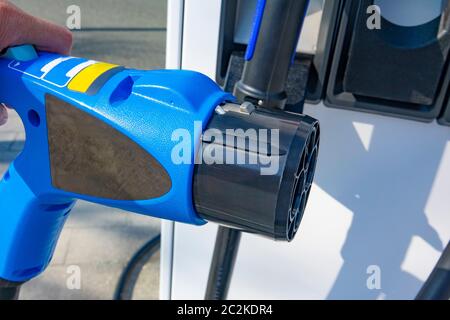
(378, 216)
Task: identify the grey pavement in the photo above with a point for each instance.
(98, 240)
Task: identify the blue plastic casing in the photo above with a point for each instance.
(146, 106)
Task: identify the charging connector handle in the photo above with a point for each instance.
(271, 51)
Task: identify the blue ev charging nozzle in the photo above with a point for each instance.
(138, 141)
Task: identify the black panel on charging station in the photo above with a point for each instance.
(326, 41)
(445, 117)
(395, 70)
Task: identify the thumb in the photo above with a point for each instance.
(46, 36)
(18, 27)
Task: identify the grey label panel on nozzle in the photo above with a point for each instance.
(89, 157)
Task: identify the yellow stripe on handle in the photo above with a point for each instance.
(83, 80)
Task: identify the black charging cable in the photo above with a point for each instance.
(130, 275)
(9, 290)
(437, 287)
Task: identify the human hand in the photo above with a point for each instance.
(18, 27)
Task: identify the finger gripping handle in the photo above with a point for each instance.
(29, 228)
